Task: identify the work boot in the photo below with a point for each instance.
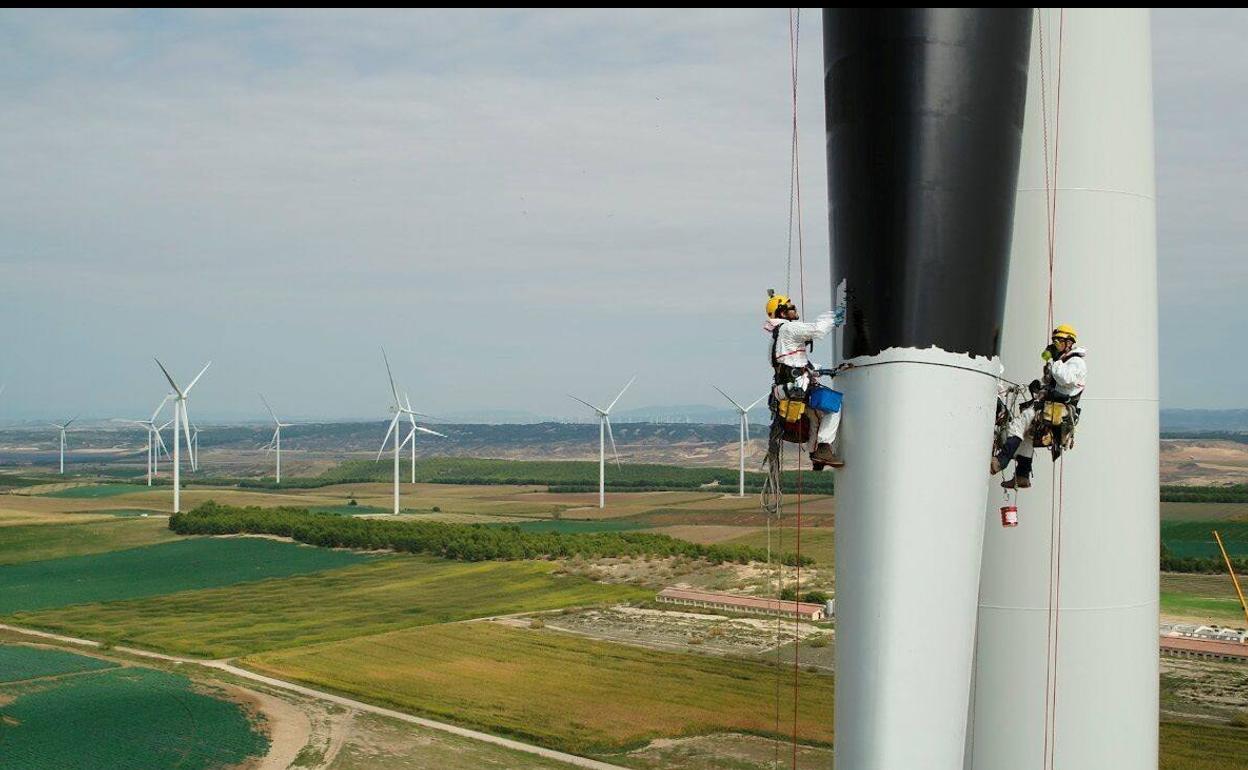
(1018, 482)
(994, 467)
(824, 454)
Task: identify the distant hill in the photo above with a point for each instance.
(1204, 420)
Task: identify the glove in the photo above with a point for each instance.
(1049, 353)
(838, 316)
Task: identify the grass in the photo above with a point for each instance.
(817, 542)
(560, 691)
(1203, 511)
(1202, 747)
(389, 593)
(1208, 597)
(35, 542)
(157, 569)
(94, 491)
(124, 717)
(18, 663)
(1195, 538)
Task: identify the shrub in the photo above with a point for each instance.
(537, 623)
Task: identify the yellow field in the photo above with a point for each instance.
(559, 690)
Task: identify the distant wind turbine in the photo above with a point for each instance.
(604, 430)
(152, 431)
(275, 443)
(745, 431)
(399, 409)
(180, 419)
(411, 434)
(62, 428)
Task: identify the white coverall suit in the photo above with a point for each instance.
(791, 351)
(1069, 373)
(1017, 426)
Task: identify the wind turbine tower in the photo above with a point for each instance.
(275, 444)
(180, 418)
(62, 428)
(745, 432)
(604, 431)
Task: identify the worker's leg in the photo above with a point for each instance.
(1007, 452)
(1022, 460)
(829, 424)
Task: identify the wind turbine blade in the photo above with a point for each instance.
(756, 402)
(617, 398)
(745, 421)
(160, 441)
(389, 430)
(160, 408)
(430, 432)
(411, 437)
(169, 377)
(186, 430)
(730, 398)
(393, 388)
(70, 421)
(188, 387)
(612, 437)
(586, 403)
(266, 406)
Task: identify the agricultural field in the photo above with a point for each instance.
(555, 689)
(89, 715)
(19, 663)
(1203, 598)
(387, 593)
(1188, 746)
(1195, 538)
(36, 542)
(152, 570)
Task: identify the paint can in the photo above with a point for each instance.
(1009, 515)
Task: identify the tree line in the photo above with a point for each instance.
(463, 542)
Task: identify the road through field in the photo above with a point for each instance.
(226, 666)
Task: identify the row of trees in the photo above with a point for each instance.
(1206, 565)
(465, 542)
(1236, 493)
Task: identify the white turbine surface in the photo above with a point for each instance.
(62, 428)
(1096, 649)
(275, 443)
(745, 432)
(604, 431)
(180, 419)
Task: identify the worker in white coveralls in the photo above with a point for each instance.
(1016, 414)
(790, 341)
(1066, 370)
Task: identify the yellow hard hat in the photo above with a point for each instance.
(774, 302)
(1065, 332)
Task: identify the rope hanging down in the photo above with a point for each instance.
(1056, 487)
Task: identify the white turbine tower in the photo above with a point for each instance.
(275, 443)
(194, 447)
(604, 431)
(745, 432)
(152, 430)
(180, 418)
(62, 428)
(161, 441)
(411, 434)
(399, 410)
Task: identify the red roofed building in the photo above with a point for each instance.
(747, 604)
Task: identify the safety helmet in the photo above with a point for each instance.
(1065, 332)
(775, 302)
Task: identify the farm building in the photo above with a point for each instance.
(1213, 633)
(747, 604)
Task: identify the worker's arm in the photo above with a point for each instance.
(1069, 375)
(802, 331)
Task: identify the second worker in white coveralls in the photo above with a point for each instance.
(791, 339)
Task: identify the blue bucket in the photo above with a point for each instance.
(825, 399)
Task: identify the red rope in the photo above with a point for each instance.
(1056, 488)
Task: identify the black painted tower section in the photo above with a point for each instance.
(924, 128)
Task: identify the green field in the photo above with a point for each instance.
(388, 593)
(96, 491)
(18, 663)
(1195, 538)
(817, 542)
(157, 569)
(134, 718)
(1203, 747)
(1203, 511)
(37, 542)
(558, 690)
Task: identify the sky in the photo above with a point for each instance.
(516, 205)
